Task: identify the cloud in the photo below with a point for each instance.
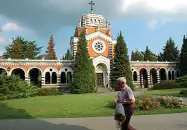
(11, 27)
(4, 40)
(160, 9)
(152, 24)
(47, 16)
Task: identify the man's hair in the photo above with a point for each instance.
(122, 80)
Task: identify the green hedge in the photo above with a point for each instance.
(166, 85)
(182, 81)
(12, 87)
(48, 92)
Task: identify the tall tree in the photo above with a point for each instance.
(16, 51)
(137, 55)
(28, 49)
(183, 58)
(84, 76)
(170, 51)
(121, 64)
(149, 55)
(50, 53)
(67, 55)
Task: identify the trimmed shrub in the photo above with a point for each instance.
(12, 87)
(183, 92)
(169, 84)
(182, 81)
(48, 92)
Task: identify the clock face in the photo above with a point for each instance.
(99, 46)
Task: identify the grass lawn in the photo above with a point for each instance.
(85, 105)
(167, 92)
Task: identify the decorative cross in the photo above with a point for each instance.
(91, 3)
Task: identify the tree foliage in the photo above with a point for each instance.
(121, 64)
(84, 76)
(67, 55)
(137, 55)
(170, 52)
(21, 49)
(50, 52)
(183, 58)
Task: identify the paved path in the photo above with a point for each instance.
(148, 122)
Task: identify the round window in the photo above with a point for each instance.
(98, 46)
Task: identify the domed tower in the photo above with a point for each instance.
(100, 43)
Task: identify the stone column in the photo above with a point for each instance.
(138, 79)
(27, 79)
(43, 81)
(148, 80)
(141, 81)
(58, 80)
(158, 76)
(167, 77)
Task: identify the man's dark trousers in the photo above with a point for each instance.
(129, 110)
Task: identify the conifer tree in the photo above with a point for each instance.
(121, 64)
(183, 58)
(50, 53)
(170, 52)
(84, 76)
(16, 51)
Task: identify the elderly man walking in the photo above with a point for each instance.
(126, 97)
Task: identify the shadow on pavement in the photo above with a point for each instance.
(7, 121)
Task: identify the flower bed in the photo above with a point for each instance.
(147, 102)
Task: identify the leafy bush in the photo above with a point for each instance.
(12, 87)
(48, 91)
(166, 85)
(183, 92)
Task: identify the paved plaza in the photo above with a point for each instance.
(146, 122)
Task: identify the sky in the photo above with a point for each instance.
(142, 22)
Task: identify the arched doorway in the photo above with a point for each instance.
(19, 72)
(173, 75)
(177, 74)
(47, 78)
(135, 76)
(35, 76)
(101, 73)
(143, 78)
(162, 74)
(63, 78)
(69, 77)
(153, 76)
(169, 75)
(54, 78)
(3, 71)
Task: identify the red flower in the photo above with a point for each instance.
(158, 103)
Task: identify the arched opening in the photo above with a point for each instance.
(178, 74)
(143, 78)
(69, 77)
(169, 75)
(101, 75)
(3, 71)
(135, 78)
(54, 78)
(63, 78)
(19, 72)
(47, 78)
(153, 76)
(173, 75)
(162, 74)
(35, 77)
